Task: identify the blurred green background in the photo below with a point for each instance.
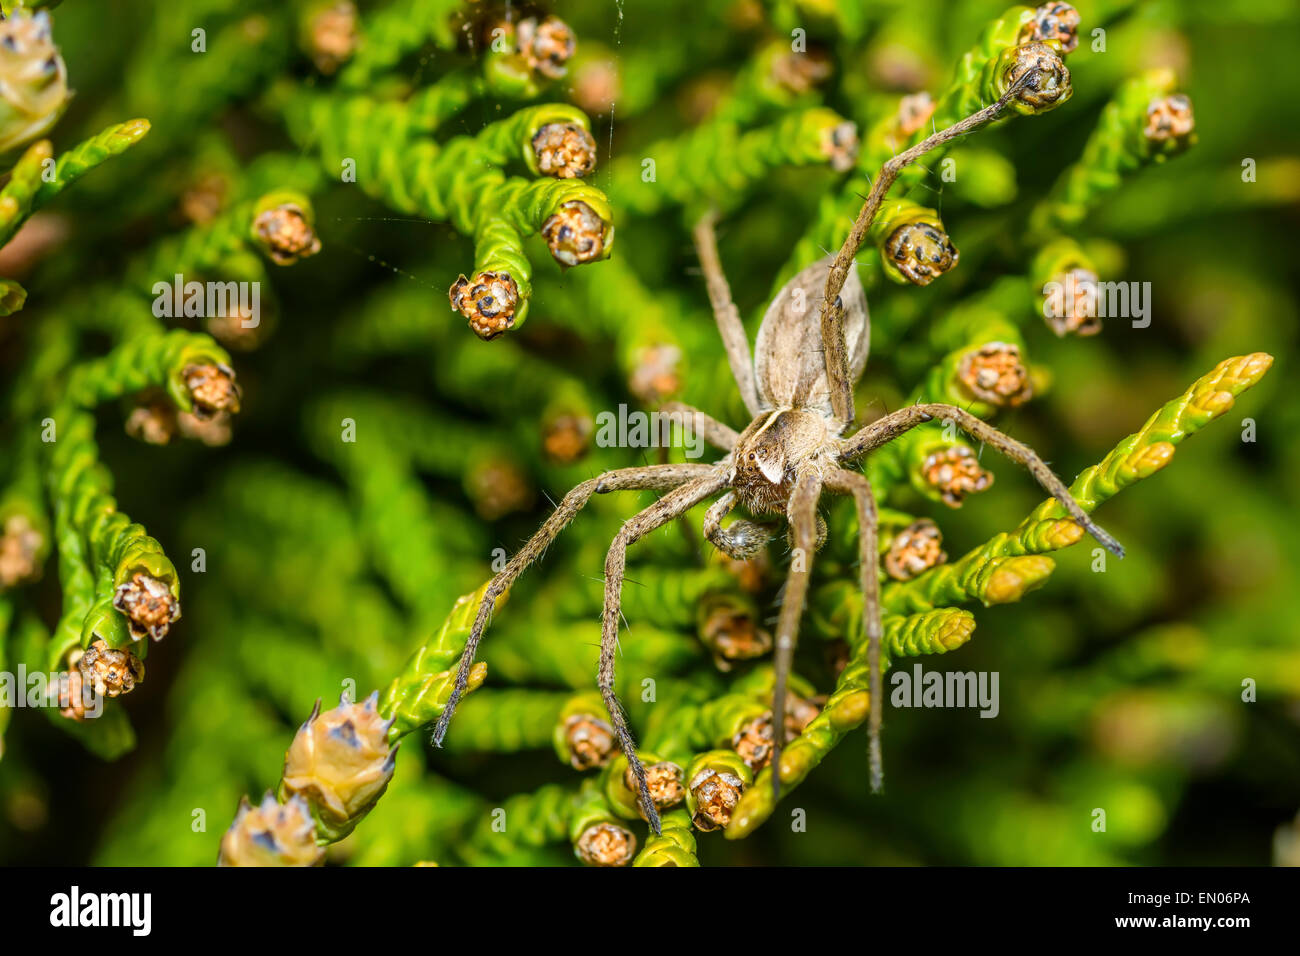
(1119, 689)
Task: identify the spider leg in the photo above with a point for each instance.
(886, 429)
(655, 477)
(802, 515)
(856, 484)
(839, 271)
(832, 319)
(836, 355)
(741, 539)
(725, 312)
(710, 429)
(677, 502)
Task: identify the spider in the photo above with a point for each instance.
(798, 387)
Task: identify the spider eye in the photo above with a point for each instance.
(752, 456)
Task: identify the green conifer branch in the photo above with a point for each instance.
(89, 154)
(419, 694)
(718, 165)
(396, 30)
(1010, 563)
(1147, 122)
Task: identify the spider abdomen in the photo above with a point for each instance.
(789, 357)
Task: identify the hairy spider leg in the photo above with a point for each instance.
(886, 429)
(707, 427)
(841, 387)
(732, 330)
(855, 483)
(801, 512)
(672, 505)
(833, 330)
(649, 477)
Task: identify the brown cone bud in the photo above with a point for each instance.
(111, 671)
(589, 740)
(914, 112)
(20, 547)
(566, 438)
(490, 302)
(72, 695)
(271, 834)
(753, 742)
(213, 432)
(994, 373)
(564, 150)
(921, 252)
(955, 473)
(498, 487)
(152, 422)
(33, 79)
(1170, 119)
(750, 573)
(1071, 305)
(730, 630)
(596, 86)
(656, 374)
(236, 327)
(1053, 21)
(203, 200)
(799, 713)
(340, 761)
(915, 549)
(606, 844)
(332, 36)
(1039, 75)
(286, 234)
(715, 794)
(663, 780)
(839, 145)
(799, 73)
(149, 606)
(546, 45)
(212, 389)
(575, 234)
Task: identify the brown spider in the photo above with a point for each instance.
(799, 388)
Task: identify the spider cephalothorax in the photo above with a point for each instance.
(771, 453)
(798, 389)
